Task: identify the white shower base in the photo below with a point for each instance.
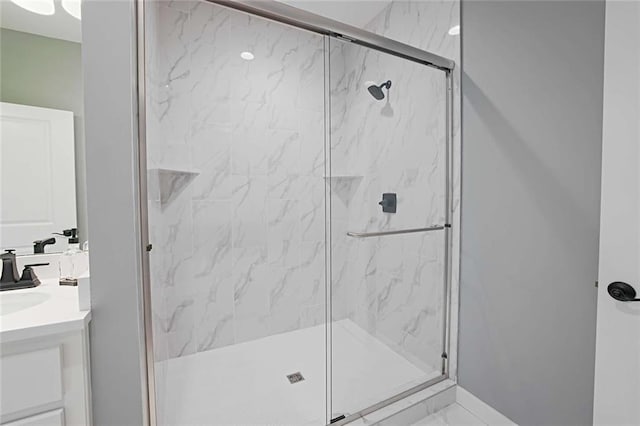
(246, 384)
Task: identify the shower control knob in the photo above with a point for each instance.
(622, 292)
(388, 203)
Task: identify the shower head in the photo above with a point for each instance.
(376, 91)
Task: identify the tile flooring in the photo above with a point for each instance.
(452, 415)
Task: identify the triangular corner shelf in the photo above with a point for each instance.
(344, 186)
(171, 182)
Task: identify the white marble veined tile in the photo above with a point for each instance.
(311, 130)
(249, 114)
(179, 305)
(210, 54)
(251, 294)
(284, 298)
(211, 147)
(173, 156)
(158, 307)
(424, 24)
(287, 186)
(249, 219)
(174, 242)
(312, 316)
(310, 274)
(250, 327)
(250, 151)
(239, 253)
(283, 220)
(172, 75)
(178, 323)
(214, 312)
(181, 343)
(212, 256)
(311, 207)
(283, 253)
(283, 151)
(211, 151)
(310, 94)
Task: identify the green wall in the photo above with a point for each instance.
(47, 72)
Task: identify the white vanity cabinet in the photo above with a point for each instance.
(45, 381)
(44, 358)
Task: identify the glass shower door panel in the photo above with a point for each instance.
(388, 152)
(235, 157)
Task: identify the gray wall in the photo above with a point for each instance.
(47, 72)
(532, 126)
(110, 124)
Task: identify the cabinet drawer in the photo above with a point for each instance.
(51, 418)
(30, 379)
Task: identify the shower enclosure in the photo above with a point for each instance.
(298, 181)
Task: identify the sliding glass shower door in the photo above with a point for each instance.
(387, 179)
(236, 204)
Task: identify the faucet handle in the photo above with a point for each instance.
(28, 274)
(9, 269)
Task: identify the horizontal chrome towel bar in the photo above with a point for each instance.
(401, 231)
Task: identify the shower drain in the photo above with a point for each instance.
(295, 377)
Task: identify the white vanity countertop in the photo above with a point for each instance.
(52, 309)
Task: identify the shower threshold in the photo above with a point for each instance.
(247, 383)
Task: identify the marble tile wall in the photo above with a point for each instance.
(236, 187)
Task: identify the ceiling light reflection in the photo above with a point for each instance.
(73, 8)
(41, 7)
(247, 56)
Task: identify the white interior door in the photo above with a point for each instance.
(617, 378)
(37, 175)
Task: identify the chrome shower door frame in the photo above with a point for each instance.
(292, 16)
(149, 397)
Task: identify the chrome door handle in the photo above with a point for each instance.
(622, 292)
(401, 231)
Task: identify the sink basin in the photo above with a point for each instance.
(10, 303)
